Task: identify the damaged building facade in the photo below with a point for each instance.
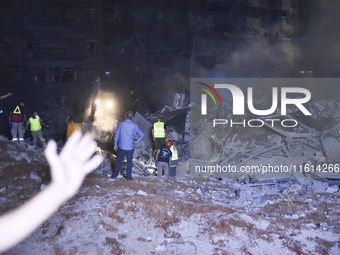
(62, 41)
(48, 41)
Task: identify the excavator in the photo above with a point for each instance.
(144, 165)
(71, 125)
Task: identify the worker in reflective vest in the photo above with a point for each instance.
(35, 123)
(159, 133)
(17, 120)
(174, 160)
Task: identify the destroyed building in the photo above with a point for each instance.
(62, 41)
(53, 51)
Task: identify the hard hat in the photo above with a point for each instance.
(168, 143)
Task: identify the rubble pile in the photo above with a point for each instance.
(151, 215)
(177, 122)
(185, 215)
(313, 142)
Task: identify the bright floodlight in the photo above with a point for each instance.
(108, 104)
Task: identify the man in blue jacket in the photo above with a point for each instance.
(124, 144)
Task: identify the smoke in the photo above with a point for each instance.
(106, 115)
(311, 45)
(161, 91)
(258, 58)
(319, 37)
(260, 55)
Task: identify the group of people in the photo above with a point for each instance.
(18, 124)
(69, 168)
(129, 133)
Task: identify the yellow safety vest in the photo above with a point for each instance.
(35, 124)
(174, 152)
(158, 130)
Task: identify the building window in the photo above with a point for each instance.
(91, 13)
(219, 6)
(29, 45)
(68, 75)
(56, 74)
(149, 15)
(107, 41)
(91, 47)
(41, 76)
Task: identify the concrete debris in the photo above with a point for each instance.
(318, 186)
(146, 126)
(311, 148)
(142, 193)
(194, 216)
(260, 200)
(179, 100)
(176, 215)
(323, 226)
(331, 144)
(43, 186)
(333, 189)
(34, 176)
(294, 216)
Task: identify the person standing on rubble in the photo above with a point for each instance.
(36, 123)
(124, 144)
(174, 160)
(163, 157)
(159, 133)
(17, 122)
(133, 100)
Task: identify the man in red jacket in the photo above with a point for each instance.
(17, 120)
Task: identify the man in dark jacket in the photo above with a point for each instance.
(163, 157)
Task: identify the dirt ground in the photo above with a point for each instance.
(178, 215)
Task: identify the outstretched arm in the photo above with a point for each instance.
(68, 170)
(7, 95)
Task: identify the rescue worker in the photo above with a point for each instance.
(133, 100)
(35, 123)
(174, 160)
(159, 133)
(17, 122)
(163, 157)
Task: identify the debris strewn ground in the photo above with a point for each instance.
(173, 216)
(311, 147)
